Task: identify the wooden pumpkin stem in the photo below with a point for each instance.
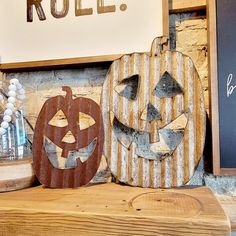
(68, 92)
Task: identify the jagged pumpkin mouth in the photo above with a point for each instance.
(54, 154)
(169, 138)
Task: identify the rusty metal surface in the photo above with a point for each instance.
(65, 153)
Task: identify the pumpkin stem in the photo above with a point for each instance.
(68, 92)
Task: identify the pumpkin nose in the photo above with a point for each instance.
(69, 138)
(152, 115)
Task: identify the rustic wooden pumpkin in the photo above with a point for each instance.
(153, 112)
(66, 154)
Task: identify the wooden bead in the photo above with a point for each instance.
(12, 87)
(14, 81)
(8, 112)
(21, 91)
(12, 93)
(4, 124)
(7, 118)
(10, 106)
(2, 131)
(11, 100)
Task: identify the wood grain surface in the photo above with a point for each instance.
(186, 5)
(16, 175)
(229, 205)
(111, 209)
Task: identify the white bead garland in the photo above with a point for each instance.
(2, 131)
(8, 112)
(7, 118)
(12, 87)
(10, 106)
(16, 91)
(12, 93)
(4, 125)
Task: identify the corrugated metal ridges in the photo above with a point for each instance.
(125, 165)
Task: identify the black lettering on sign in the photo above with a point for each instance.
(104, 9)
(79, 10)
(82, 12)
(38, 7)
(59, 14)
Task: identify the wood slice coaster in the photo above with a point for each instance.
(16, 175)
(154, 118)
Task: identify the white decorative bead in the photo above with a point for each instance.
(19, 86)
(11, 100)
(8, 112)
(21, 97)
(7, 118)
(15, 90)
(21, 91)
(10, 106)
(14, 81)
(4, 125)
(11, 93)
(12, 87)
(2, 131)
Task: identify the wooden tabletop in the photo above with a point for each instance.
(229, 205)
(111, 209)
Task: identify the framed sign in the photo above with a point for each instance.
(222, 68)
(38, 33)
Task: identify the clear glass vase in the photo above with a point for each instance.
(14, 144)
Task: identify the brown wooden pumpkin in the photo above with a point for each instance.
(67, 154)
(153, 111)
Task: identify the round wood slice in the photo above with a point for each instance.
(16, 175)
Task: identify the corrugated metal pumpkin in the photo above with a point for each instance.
(153, 111)
(65, 154)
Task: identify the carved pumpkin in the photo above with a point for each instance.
(153, 111)
(66, 154)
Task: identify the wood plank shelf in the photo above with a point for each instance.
(229, 205)
(177, 6)
(111, 209)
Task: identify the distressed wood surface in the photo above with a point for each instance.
(229, 205)
(67, 152)
(126, 163)
(16, 175)
(177, 6)
(111, 209)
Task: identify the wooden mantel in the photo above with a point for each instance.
(111, 209)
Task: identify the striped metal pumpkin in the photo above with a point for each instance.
(124, 107)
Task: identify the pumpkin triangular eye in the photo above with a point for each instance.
(167, 87)
(59, 120)
(129, 87)
(85, 121)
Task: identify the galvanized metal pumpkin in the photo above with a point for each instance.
(153, 112)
